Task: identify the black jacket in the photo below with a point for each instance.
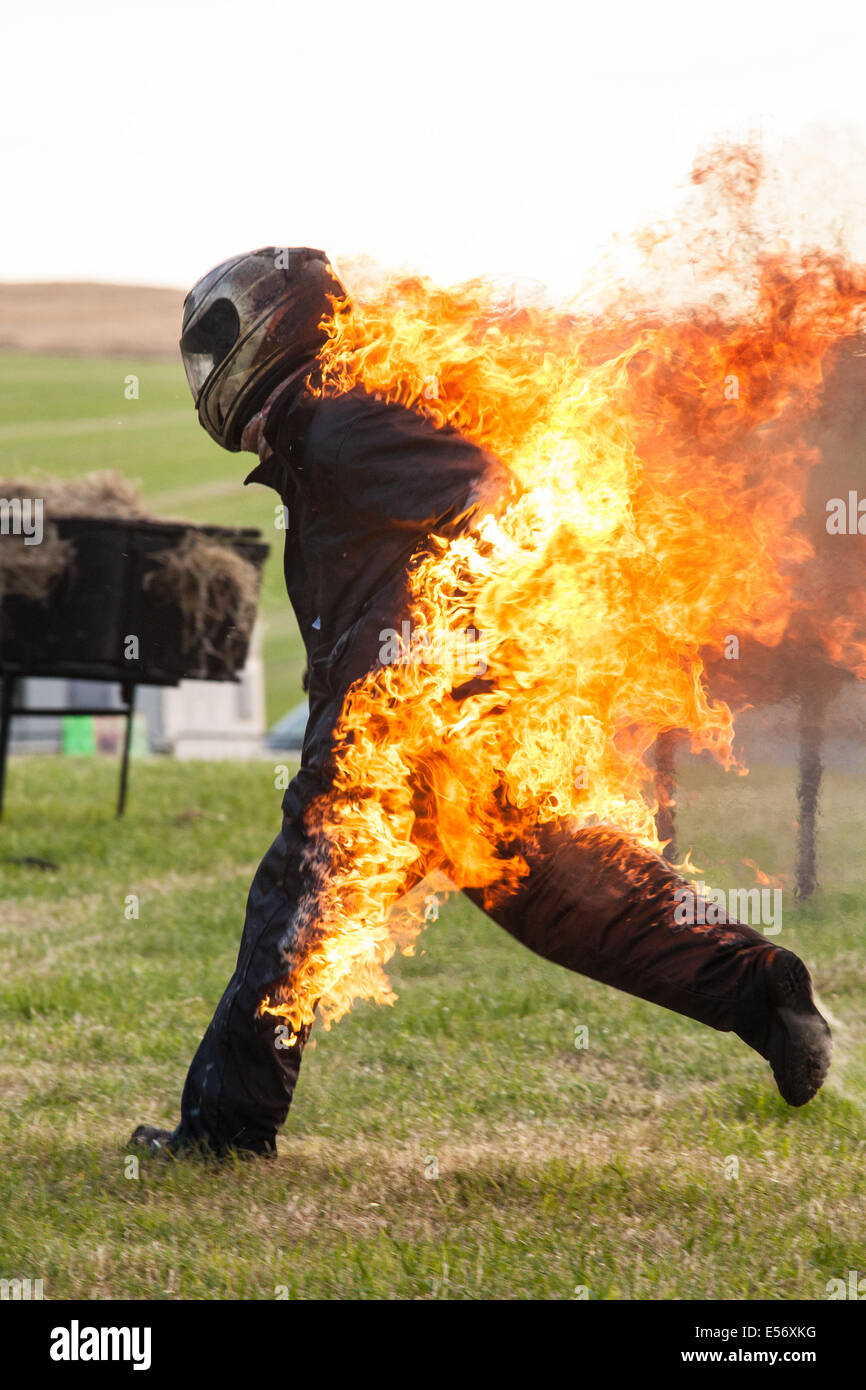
(365, 484)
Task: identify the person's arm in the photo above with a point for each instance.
(390, 462)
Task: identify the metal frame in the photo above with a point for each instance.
(8, 711)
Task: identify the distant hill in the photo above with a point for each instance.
(90, 320)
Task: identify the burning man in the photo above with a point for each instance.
(366, 483)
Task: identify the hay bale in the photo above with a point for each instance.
(103, 494)
(215, 589)
(31, 571)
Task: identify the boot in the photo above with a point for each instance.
(792, 1035)
(169, 1143)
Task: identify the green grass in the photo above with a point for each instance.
(557, 1168)
(68, 416)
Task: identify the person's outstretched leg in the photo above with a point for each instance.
(240, 1084)
(599, 905)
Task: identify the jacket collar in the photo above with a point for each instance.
(281, 402)
(269, 473)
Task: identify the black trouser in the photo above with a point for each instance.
(239, 1086)
(592, 902)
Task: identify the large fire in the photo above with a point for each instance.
(661, 452)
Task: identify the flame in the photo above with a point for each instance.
(765, 880)
(661, 456)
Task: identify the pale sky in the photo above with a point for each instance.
(145, 142)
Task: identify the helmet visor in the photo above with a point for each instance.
(198, 367)
(208, 342)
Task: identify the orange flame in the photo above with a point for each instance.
(764, 879)
(662, 464)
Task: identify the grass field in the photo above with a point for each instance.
(558, 1169)
(69, 415)
(458, 1145)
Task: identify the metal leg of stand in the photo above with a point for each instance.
(808, 792)
(128, 692)
(8, 684)
(666, 790)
